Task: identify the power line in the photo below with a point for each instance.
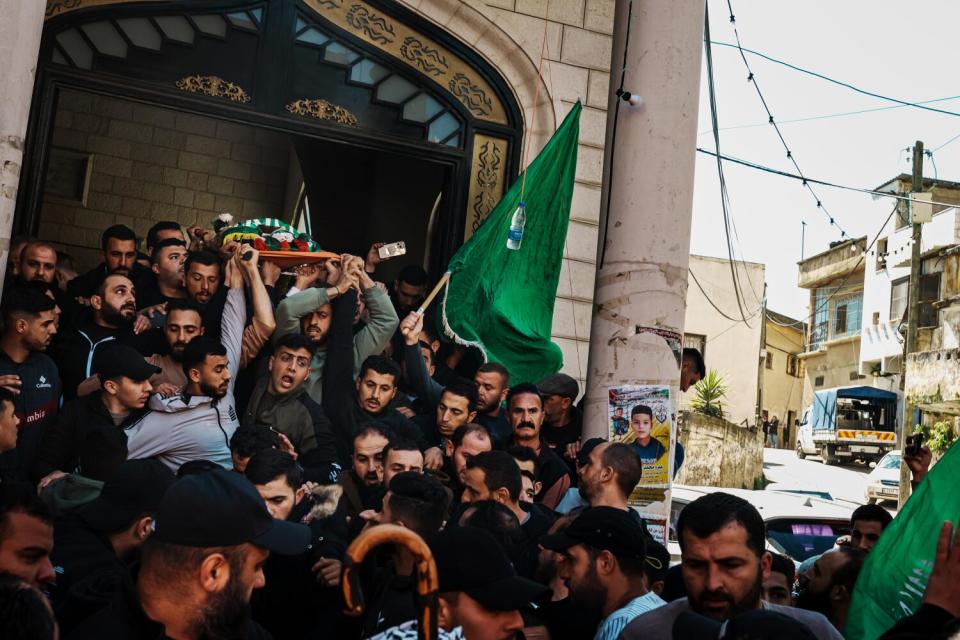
(904, 103)
(752, 79)
(950, 141)
(718, 309)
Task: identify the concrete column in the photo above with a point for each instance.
(648, 182)
(21, 23)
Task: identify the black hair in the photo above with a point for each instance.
(419, 500)
(24, 612)
(641, 409)
(295, 342)
(102, 287)
(872, 513)
(784, 564)
(163, 244)
(200, 467)
(525, 454)
(371, 429)
(522, 389)
(463, 389)
(708, 514)
(183, 304)
(101, 452)
(498, 520)
(7, 396)
(657, 562)
(197, 351)
(24, 301)
(413, 274)
(464, 430)
(499, 470)
(117, 232)
(400, 444)
(21, 497)
(846, 575)
(694, 355)
(630, 566)
(66, 261)
(495, 367)
(266, 465)
(248, 439)
(163, 225)
(625, 463)
(382, 365)
(204, 257)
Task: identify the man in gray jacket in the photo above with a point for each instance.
(309, 312)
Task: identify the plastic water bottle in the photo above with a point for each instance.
(517, 222)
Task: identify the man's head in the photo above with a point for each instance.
(656, 565)
(29, 316)
(492, 475)
(201, 275)
(828, 585)
(206, 366)
(641, 422)
(207, 568)
(248, 440)
(526, 459)
(525, 411)
(9, 422)
(493, 384)
(26, 534)
(38, 261)
(278, 479)
(559, 392)
(604, 551)
(166, 262)
(316, 325)
(867, 523)
(457, 407)
(468, 441)
(119, 249)
(16, 252)
(182, 324)
(124, 377)
(377, 384)
(399, 456)
(66, 269)
(368, 446)
(114, 304)
(480, 590)
(409, 288)
(612, 469)
(289, 365)
(26, 611)
(724, 563)
(778, 588)
(692, 368)
(416, 501)
(163, 230)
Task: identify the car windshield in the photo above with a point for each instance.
(890, 462)
(803, 538)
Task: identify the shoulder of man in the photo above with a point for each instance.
(657, 623)
(818, 623)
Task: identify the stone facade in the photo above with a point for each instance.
(718, 453)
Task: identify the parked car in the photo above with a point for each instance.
(883, 483)
(799, 526)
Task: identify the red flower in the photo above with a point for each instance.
(301, 245)
(284, 246)
(259, 244)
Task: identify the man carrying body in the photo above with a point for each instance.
(525, 411)
(866, 526)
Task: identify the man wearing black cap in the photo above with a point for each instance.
(563, 422)
(92, 545)
(525, 412)
(212, 534)
(124, 390)
(604, 552)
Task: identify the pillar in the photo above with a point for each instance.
(644, 245)
(21, 23)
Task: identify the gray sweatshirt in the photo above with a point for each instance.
(180, 428)
(370, 340)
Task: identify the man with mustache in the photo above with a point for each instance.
(827, 586)
(526, 415)
(724, 565)
(363, 484)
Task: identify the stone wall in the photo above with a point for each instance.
(719, 453)
(153, 164)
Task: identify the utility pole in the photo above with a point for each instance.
(913, 319)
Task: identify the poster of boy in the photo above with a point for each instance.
(650, 428)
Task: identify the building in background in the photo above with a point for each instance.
(782, 373)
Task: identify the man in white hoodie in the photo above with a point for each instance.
(197, 424)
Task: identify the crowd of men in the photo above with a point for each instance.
(190, 439)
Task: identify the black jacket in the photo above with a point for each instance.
(929, 622)
(64, 441)
(84, 286)
(36, 405)
(78, 348)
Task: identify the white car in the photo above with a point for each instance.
(883, 483)
(799, 526)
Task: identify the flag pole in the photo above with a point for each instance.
(433, 294)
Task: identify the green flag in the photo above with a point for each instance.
(893, 579)
(501, 300)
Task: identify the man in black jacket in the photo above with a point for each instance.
(118, 250)
(125, 389)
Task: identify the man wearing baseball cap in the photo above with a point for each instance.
(563, 422)
(211, 535)
(604, 551)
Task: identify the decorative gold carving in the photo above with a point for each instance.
(428, 57)
(375, 27)
(487, 178)
(214, 87)
(322, 110)
(59, 7)
(429, 60)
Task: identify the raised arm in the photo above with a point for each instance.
(383, 321)
(426, 388)
(264, 323)
(233, 319)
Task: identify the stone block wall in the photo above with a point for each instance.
(152, 164)
(719, 453)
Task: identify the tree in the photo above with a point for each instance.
(708, 394)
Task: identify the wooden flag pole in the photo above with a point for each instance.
(433, 294)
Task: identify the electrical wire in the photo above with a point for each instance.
(718, 309)
(950, 141)
(752, 79)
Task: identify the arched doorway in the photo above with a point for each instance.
(383, 110)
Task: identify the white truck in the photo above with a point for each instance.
(849, 423)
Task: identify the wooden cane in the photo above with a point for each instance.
(433, 294)
(428, 583)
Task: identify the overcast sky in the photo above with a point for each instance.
(904, 50)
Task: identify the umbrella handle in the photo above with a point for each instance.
(427, 580)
